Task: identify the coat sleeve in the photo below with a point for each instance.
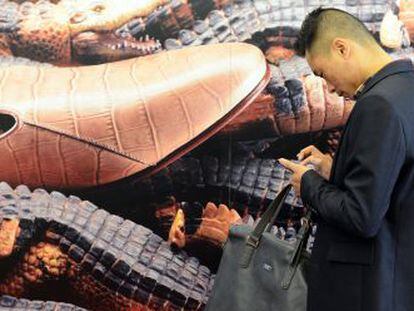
(375, 152)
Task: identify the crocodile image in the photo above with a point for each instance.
(69, 248)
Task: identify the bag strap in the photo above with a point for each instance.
(301, 240)
(268, 217)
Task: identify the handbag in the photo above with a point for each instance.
(259, 271)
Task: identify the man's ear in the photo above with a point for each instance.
(341, 47)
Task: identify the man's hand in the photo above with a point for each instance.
(322, 162)
(298, 170)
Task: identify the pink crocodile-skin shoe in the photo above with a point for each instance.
(79, 127)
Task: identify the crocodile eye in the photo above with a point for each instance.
(77, 18)
(98, 8)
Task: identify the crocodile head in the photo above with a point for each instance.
(93, 27)
(74, 31)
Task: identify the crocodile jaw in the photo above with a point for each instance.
(92, 47)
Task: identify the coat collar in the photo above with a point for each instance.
(402, 65)
(392, 68)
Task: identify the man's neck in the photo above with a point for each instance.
(372, 67)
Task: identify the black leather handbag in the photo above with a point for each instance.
(259, 271)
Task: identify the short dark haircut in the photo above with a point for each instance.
(322, 21)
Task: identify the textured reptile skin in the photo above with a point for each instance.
(294, 106)
(70, 248)
(243, 182)
(94, 125)
(9, 303)
(269, 22)
(247, 184)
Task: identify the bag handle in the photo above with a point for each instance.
(302, 238)
(268, 217)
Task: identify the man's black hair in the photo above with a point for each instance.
(318, 21)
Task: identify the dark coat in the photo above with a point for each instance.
(363, 256)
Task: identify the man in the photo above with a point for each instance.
(363, 256)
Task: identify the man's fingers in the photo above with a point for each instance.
(307, 160)
(305, 152)
(302, 154)
(288, 164)
(312, 160)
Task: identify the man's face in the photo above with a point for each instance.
(335, 70)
